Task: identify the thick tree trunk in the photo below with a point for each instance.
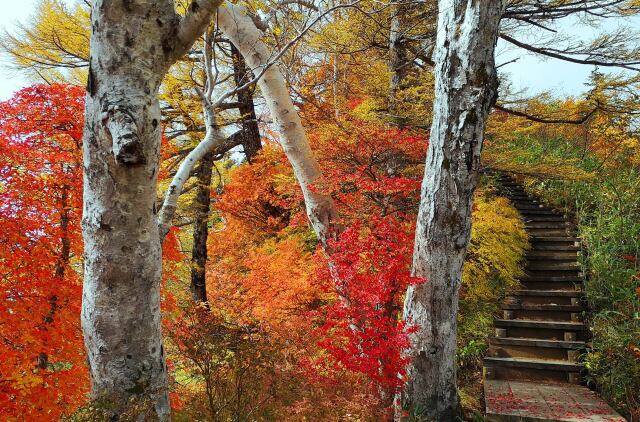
(242, 32)
(251, 142)
(202, 205)
(466, 86)
(133, 44)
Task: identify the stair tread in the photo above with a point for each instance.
(530, 323)
(535, 363)
(546, 293)
(551, 257)
(540, 211)
(555, 248)
(536, 342)
(550, 279)
(554, 239)
(541, 307)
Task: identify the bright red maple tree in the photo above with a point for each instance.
(42, 370)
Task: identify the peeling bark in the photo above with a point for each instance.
(241, 30)
(133, 43)
(466, 87)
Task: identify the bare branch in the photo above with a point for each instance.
(538, 119)
(565, 57)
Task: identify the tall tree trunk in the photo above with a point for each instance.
(133, 43)
(466, 86)
(241, 30)
(202, 206)
(251, 142)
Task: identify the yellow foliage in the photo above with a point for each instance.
(55, 45)
(498, 243)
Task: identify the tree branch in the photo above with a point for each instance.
(537, 119)
(194, 24)
(559, 56)
(213, 142)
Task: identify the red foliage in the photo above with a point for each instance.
(374, 174)
(370, 169)
(343, 326)
(42, 370)
(369, 272)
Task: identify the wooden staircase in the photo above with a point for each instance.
(532, 370)
(541, 333)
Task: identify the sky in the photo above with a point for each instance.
(528, 73)
(12, 11)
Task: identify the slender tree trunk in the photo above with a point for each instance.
(60, 269)
(466, 86)
(133, 43)
(397, 48)
(202, 205)
(251, 142)
(242, 32)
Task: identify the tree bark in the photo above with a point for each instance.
(397, 48)
(242, 32)
(251, 142)
(202, 209)
(215, 143)
(133, 43)
(466, 87)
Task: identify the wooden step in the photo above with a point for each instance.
(550, 239)
(535, 278)
(543, 325)
(535, 342)
(545, 297)
(540, 212)
(549, 232)
(529, 206)
(528, 311)
(547, 265)
(572, 256)
(548, 293)
(554, 247)
(531, 363)
(523, 202)
(542, 228)
(533, 223)
(552, 283)
(542, 307)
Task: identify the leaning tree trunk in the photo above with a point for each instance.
(133, 43)
(466, 88)
(241, 30)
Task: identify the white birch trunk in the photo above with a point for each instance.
(466, 86)
(212, 139)
(242, 32)
(133, 43)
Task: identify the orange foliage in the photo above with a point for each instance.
(42, 370)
